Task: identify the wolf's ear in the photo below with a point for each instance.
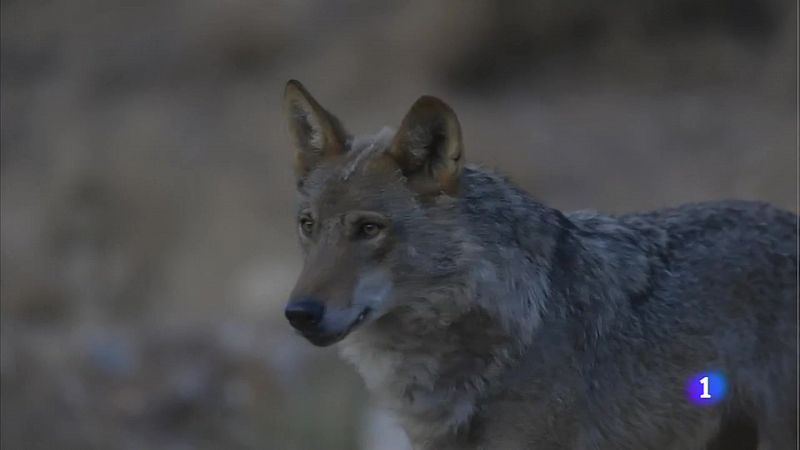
(315, 132)
(428, 147)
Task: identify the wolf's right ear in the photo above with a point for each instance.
(316, 133)
(428, 147)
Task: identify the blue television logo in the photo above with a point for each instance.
(706, 388)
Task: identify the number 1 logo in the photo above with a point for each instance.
(705, 388)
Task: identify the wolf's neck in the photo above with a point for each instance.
(432, 361)
(432, 376)
(603, 272)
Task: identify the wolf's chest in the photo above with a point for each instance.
(376, 366)
(406, 384)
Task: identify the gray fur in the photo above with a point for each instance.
(511, 325)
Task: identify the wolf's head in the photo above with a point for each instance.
(374, 214)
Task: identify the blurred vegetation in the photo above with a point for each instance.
(147, 227)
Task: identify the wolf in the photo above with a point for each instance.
(484, 319)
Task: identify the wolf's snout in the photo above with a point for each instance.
(305, 315)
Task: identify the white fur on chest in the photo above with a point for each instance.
(376, 366)
(405, 385)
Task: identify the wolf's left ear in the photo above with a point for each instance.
(428, 147)
(315, 132)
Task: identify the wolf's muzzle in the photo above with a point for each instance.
(305, 315)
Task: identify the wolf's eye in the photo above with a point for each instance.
(306, 226)
(369, 229)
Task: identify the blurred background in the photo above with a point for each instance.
(148, 238)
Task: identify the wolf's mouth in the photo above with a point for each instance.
(323, 339)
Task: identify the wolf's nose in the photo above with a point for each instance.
(304, 315)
